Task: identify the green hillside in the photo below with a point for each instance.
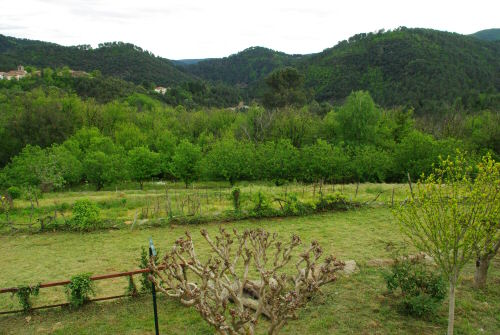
(488, 34)
(423, 68)
(123, 60)
(244, 68)
(418, 67)
(426, 69)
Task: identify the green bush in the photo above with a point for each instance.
(80, 289)
(293, 206)
(336, 201)
(421, 290)
(420, 306)
(24, 293)
(143, 264)
(236, 198)
(85, 215)
(14, 192)
(261, 205)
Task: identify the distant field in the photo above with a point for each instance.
(354, 305)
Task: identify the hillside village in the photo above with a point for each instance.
(22, 73)
(14, 74)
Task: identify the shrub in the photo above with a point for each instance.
(236, 198)
(143, 264)
(14, 192)
(24, 293)
(261, 205)
(293, 206)
(420, 305)
(80, 289)
(85, 215)
(335, 201)
(421, 289)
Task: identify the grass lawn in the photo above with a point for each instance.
(353, 305)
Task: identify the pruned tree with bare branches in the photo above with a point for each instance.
(244, 278)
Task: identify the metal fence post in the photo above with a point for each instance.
(152, 253)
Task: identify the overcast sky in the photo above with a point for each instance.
(179, 29)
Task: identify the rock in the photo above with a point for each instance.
(349, 267)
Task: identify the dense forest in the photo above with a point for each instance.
(51, 139)
(246, 69)
(488, 34)
(122, 60)
(425, 69)
(422, 68)
(376, 108)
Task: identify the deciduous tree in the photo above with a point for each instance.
(445, 218)
(185, 162)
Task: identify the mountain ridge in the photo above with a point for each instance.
(422, 68)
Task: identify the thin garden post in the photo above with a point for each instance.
(152, 253)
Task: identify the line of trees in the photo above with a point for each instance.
(93, 157)
(53, 139)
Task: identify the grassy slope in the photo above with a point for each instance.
(354, 305)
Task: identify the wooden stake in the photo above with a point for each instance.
(392, 198)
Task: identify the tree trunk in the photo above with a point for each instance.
(482, 265)
(451, 308)
(141, 183)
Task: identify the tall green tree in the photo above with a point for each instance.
(185, 162)
(284, 88)
(101, 168)
(278, 161)
(357, 119)
(34, 167)
(230, 160)
(143, 164)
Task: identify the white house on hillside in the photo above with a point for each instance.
(161, 90)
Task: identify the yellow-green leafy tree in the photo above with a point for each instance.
(488, 179)
(446, 214)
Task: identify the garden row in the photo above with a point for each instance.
(158, 209)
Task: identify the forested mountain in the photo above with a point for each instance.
(422, 68)
(488, 34)
(244, 68)
(426, 69)
(122, 60)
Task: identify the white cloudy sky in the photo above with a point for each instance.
(178, 29)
